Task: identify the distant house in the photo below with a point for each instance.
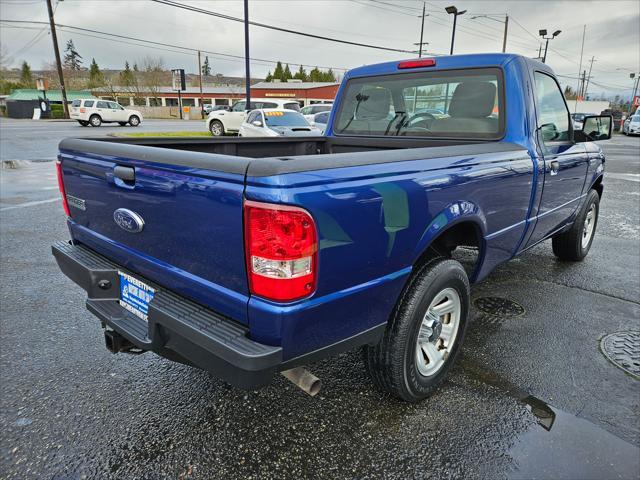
(21, 102)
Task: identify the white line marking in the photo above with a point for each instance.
(632, 177)
(31, 204)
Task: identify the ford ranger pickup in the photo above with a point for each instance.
(249, 257)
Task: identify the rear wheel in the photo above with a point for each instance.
(575, 243)
(425, 333)
(95, 121)
(216, 128)
(134, 121)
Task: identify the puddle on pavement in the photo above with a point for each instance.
(563, 446)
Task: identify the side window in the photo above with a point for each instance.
(269, 105)
(238, 107)
(253, 116)
(553, 116)
(75, 103)
(114, 106)
(102, 105)
(292, 106)
(307, 110)
(88, 103)
(322, 117)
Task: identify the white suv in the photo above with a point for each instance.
(96, 112)
(220, 122)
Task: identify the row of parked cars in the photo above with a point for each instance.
(269, 118)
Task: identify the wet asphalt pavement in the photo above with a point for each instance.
(532, 397)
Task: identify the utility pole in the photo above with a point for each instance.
(200, 81)
(421, 31)
(586, 88)
(54, 37)
(579, 91)
(582, 84)
(506, 28)
(246, 55)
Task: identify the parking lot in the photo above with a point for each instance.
(532, 397)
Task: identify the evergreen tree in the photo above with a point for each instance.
(315, 75)
(278, 73)
(25, 75)
(95, 75)
(301, 74)
(331, 77)
(286, 75)
(206, 68)
(126, 76)
(269, 77)
(72, 59)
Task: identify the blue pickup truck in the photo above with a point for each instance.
(248, 257)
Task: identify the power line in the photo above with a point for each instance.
(162, 44)
(273, 27)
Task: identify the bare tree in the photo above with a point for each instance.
(154, 75)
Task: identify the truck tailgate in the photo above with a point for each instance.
(191, 240)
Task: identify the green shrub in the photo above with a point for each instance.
(3, 110)
(57, 111)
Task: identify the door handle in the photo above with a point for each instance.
(126, 174)
(554, 167)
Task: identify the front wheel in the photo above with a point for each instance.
(425, 332)
(575, 243)
(216, 128)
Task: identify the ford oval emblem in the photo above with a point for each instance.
(128, 220)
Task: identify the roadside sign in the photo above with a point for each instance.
(178, 79)
(636, 100)
(42, 84)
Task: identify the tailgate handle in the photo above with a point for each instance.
(127, 174)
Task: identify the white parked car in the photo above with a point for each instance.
(632, 125)
(320, 120)
(220, 122)
(96, 112)
(274, 122)
(310, 110)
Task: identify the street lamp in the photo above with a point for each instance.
(506, 26)
(543, 34)
(452, 10)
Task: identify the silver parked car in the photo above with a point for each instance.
(632, 125)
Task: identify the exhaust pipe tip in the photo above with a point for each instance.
(304, 380)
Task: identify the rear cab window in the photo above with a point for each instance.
(75, 103)
(406, 104)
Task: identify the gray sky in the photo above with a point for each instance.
(612, 35)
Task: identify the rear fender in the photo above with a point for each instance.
(453, 214)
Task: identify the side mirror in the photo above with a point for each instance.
(256, 123)
(595, 127)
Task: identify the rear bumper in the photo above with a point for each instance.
(177, 328)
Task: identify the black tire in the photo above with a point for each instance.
(134, 121)
(95, 120)
(392, 363)
(83, 123)
(216, 128)
(122, 124)
(569, 245)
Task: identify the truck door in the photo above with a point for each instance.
(565, 162)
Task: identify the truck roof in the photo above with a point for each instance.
(444, 62)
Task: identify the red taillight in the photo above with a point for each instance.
(422, 62)
(281, 248)
(65, 205)
(83, 110)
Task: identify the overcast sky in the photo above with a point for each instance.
(612, 34)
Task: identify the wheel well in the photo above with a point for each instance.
(462, 242)
(598, 187)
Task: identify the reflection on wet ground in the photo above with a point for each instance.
(562, 445)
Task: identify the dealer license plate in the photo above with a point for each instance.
(135, 295)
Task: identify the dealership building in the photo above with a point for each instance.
(305, 93)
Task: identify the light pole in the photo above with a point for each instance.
(506, 26)
(543, 34)
(452, 10)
